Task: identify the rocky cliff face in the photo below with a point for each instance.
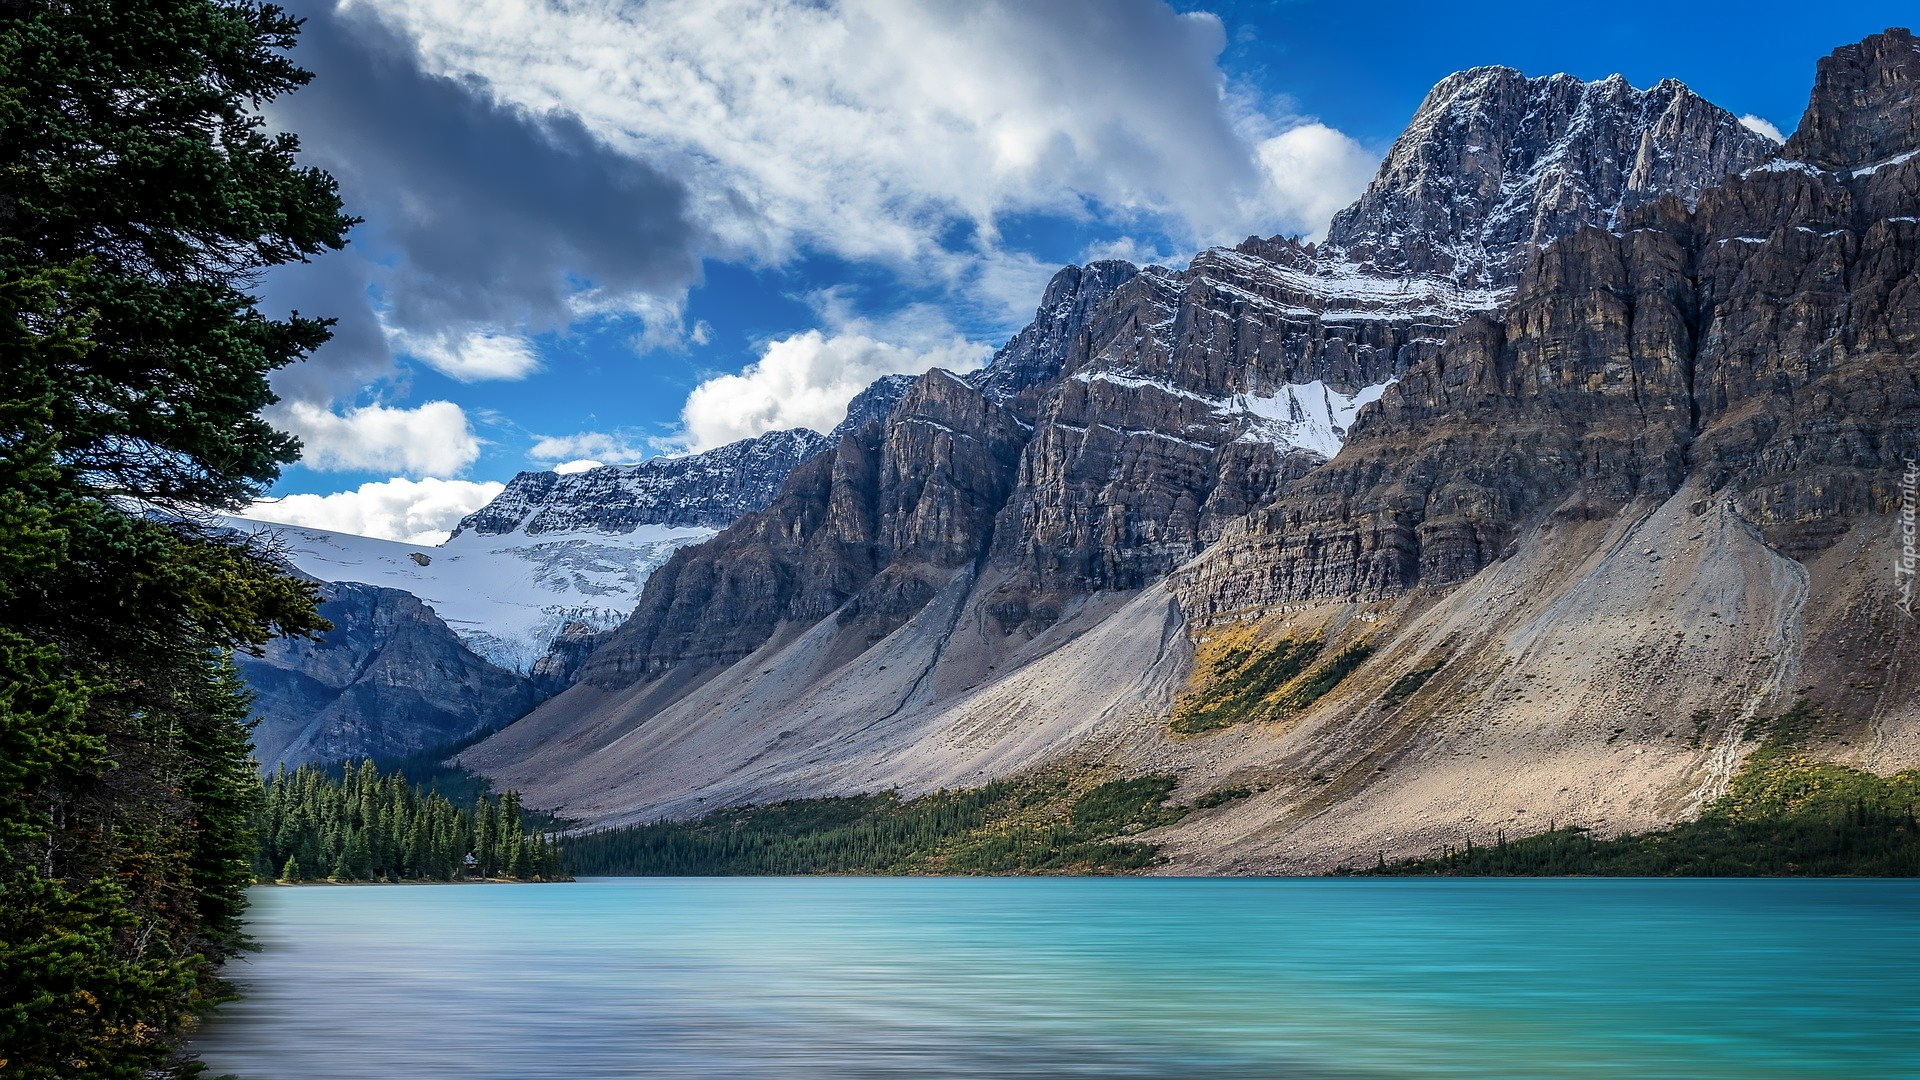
(864, 533)
(1862, 113)
(389, 679)
(1035, 355)
(870, 406)
(1496, 165)
(1760, 341)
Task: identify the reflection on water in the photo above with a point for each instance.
(1058, 977)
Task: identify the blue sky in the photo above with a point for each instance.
(600, 230)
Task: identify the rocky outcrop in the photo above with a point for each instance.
(1035, 355)
(1762, 341)
(1863, 110)
(872, 405)
(390, 679)
(1496, 165)
(862, 532)
(566, 655)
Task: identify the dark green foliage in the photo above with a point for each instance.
(1319, 682)
(367, 825)
(1701, 718)
(1250, 682)
(1222, 797)
(1409, 684)
(1243, 680)
(136, 160)
(139, 194)
(1009, 826)
(1786, 813)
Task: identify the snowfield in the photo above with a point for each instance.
(507, 596)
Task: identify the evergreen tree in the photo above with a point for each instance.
(425, 837)
(483, 835)
(290, 871)
(140, 191)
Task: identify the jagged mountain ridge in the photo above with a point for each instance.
(707, 490)
(916, 607)
(1495, 165)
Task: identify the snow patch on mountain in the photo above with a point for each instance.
(1308, 416)
(507, 596)
(1304, 416)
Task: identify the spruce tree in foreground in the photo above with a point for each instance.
(139, 194)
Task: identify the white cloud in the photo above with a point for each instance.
(430, 438)
(1314, 172)
(597, 445)
(1763, 126)
(568, 468)
(867, 128)
(411, 511)
(470, 355)
(1128, 249)
(806, 380)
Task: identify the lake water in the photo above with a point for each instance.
(1074, 977)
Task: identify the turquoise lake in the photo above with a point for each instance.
(1080, 977)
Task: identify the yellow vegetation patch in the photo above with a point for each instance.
(1240, 674)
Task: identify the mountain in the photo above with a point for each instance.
(431, 644)
(565, 554)
(705, 491)
(506, 595)
(1495, 165)
(389, 680)
(1174, 483)
(1614, 526)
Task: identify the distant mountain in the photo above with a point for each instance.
(506, 595)
(980, 584)
(706, 491)
(389, 680)
(527, 583)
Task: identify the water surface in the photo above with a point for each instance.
(758, 978)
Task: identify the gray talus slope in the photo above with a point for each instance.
(814, 713)
(1570, 678)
